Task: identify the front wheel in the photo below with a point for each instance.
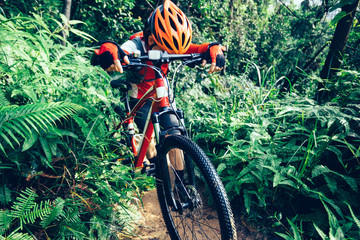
(191, 196)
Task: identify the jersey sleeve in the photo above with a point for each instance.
(197, 48)
(129, 47)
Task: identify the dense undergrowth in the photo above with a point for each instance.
(56, 125)
(290, 163)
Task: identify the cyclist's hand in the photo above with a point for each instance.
(108, 57)
(215, 55)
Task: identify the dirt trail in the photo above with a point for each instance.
(154, 227)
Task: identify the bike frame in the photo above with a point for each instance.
(159, 93)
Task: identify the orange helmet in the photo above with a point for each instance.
(170, 28)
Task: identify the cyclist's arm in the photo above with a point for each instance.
(108, 56)
(213, 53)
(197, 48)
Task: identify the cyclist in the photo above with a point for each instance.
(167, 29)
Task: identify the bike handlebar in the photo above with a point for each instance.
(159, 57)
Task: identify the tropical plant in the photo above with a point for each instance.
(26, 123)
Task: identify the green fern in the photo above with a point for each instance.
(24, 203)
(17, 236)
(20, 121)
(56, 212)
(335, 230)
(39, 211)
(72, 216)
(3, 100)
(25, 210)
(331, 181)
(5, 220)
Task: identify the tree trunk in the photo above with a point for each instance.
(66, 12)
(336, 51)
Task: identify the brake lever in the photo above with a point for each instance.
(193, 62)
(134, 62)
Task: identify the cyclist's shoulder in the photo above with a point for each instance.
(135, 42)
(136, 35)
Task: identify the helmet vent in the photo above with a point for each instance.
(159, 38)
(167, 44)
(188, 24)
(179, 19)
(161, 26)
(175, 43)
(187, 43)
(172, 23)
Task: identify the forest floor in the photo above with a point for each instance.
(153, 227)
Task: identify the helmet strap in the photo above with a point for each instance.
(152, 45)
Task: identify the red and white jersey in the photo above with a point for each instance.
(137, 42)
(148, 74)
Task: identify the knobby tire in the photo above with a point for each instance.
(195, 205)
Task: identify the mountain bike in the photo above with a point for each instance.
(192, 197)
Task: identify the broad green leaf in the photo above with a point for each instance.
(46, 148)
(337, 18)
(30, 141)
(30, 93)
(341, 4)
(356, 220)
(221, 167)
(277, 179)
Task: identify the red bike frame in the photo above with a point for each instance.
(159, 93)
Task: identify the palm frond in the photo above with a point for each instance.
(17, 122)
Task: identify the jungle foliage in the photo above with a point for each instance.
(56, 126)
(289, 164)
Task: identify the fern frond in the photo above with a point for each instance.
(57, 210)
(320, 232)
(323, 170)
(5, 220)
(72, 216)
(23, 204)
(18, 121)
(39, 211)
(3, 100)
(17, 236)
